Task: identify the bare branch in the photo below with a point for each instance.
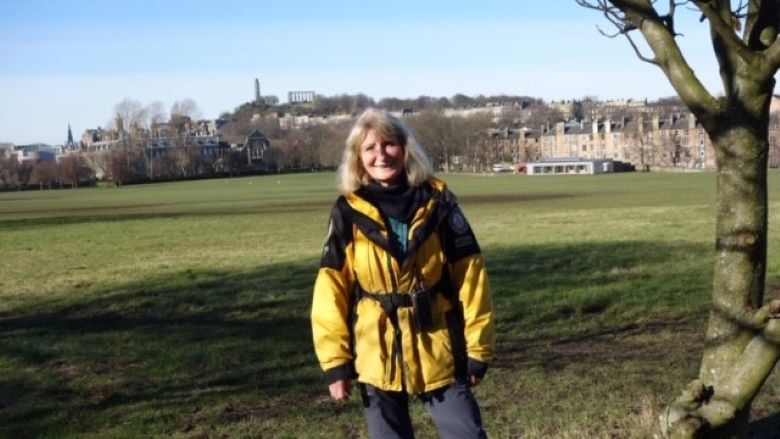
(741, 9)
(618, 20)
(622, 25)
(725, 30)
(653, 60)
(600, 5)
(668, 19)
(658, 31)
(608, 35)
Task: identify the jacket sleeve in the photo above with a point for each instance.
(469, 279)
(331, 301)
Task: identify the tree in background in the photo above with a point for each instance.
(126, 165)
(235, 131)
(9, 172)
(474, 133)
(436, 134)
(469, 137)
(585, 108)
(454, 138)
(343, 103)
(186, 107)
(541, 115)
(270, 100)
(274, 158)
(462, 101)
(293, 151)
(187, 160)
(743, 335)
(394, 104)
(44, 174)
(25, 169)
(181, 124)
(129, 116)
(233, 163)
(155, 114)
(131, 113)
(325, 143)
(165, 166)
(74, 170)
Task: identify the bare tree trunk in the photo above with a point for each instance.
(743, 337)
(740, 267)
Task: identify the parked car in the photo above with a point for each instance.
(502, 167)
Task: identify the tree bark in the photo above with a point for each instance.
(742, 343)
(743, 336)
(740, 263)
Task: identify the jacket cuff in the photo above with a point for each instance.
(343, 372)
(477, 368)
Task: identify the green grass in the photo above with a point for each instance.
(181, 309)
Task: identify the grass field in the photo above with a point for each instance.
(181, 309)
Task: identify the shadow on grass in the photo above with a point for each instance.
(214, 347)
(562, 305)
(625, 267)
(186, 339)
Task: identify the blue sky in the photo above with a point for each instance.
(67, 61)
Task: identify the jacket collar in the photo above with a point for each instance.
(370, 221)
(367, 209)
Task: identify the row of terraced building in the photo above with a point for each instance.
(676, 141)
(645, 138)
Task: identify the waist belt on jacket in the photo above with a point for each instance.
(390, 302)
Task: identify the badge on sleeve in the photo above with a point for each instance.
(458, 222)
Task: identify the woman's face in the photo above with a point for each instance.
(382, 158)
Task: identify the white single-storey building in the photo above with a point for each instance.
(570, 166)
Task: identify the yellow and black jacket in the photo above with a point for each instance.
(354, 332)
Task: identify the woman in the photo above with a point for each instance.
(401, 300)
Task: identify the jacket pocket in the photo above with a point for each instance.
(435, 346)
(435, 351)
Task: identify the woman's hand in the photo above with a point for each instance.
(474, 380)
(339, 390)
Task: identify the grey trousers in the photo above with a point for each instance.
(453, 408)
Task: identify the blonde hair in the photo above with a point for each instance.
(352, 175)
